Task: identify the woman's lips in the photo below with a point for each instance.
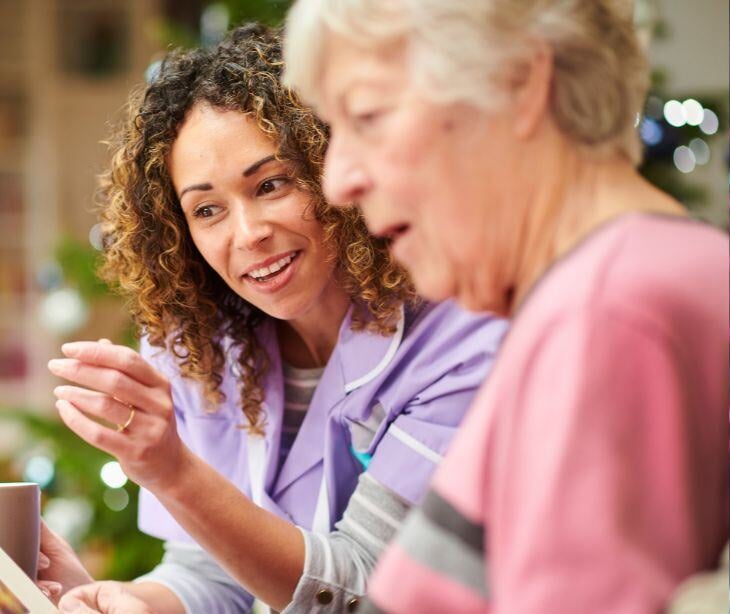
(276, 281)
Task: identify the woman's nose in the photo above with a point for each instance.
(345, 181)
(250, 228)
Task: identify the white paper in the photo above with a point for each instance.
(25, 596)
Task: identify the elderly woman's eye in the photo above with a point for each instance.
(364, 119)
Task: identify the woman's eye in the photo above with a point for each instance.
(204, 211)
(269, 186)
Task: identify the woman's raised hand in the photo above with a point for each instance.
(117, 386)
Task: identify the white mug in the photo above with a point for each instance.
(20, 524)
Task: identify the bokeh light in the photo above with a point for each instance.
(49, 275)
(69, 517)
(701, 150)
(651, 132)
(710, 123)
(116, 499)
(213, 23)
(96, 237)
(39, 469)
(112, 475)
(151, 72)
(675, 113)
(684, 159)
(63, 311)
(693, 111)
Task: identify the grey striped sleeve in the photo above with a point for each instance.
(439, 537)
(337, 565)
(198, 581)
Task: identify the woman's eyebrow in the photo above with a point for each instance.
(204, 187)
(198, 186)
(257, 165)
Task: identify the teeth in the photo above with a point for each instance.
(273, 268)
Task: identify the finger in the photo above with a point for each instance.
(95, 403)
(117, 357)
(92, 432)
(105, 340)
(110, 381)
(50, 588)
(50, 539)
(43, 562)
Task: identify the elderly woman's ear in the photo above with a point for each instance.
(531, 91)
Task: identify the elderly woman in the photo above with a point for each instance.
(493, 142)
(289, 377)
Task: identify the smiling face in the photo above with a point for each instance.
(246, 216)
(434, 177)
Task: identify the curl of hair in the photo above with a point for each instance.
(175, 297)
(467, 51)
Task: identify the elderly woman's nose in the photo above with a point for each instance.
(345, 180)
(250, 228)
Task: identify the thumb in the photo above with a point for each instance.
(69, 603)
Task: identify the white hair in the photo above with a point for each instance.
(466, 50)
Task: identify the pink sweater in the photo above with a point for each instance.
(590, 475)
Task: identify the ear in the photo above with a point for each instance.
(531, 93)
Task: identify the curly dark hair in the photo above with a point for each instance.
(175, 297)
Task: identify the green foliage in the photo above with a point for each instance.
(80, 262)
(174, 35)
(270, 12)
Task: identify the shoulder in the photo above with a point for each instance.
(651, 270)
(446, 327)
(447, 349)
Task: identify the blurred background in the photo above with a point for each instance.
(66, 68)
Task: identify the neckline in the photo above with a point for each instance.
(599, 230)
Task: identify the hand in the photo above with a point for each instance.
(117, 381)
(59, 569)
(103, 598)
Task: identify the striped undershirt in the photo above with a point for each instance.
(299, 387)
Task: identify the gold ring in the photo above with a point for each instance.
(123, 427)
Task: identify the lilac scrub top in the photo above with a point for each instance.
(388, 403)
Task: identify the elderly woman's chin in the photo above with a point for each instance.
(441, 281)
(473, 297)
(434, 279)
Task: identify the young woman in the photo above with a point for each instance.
(494, 142)
(286, 362)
